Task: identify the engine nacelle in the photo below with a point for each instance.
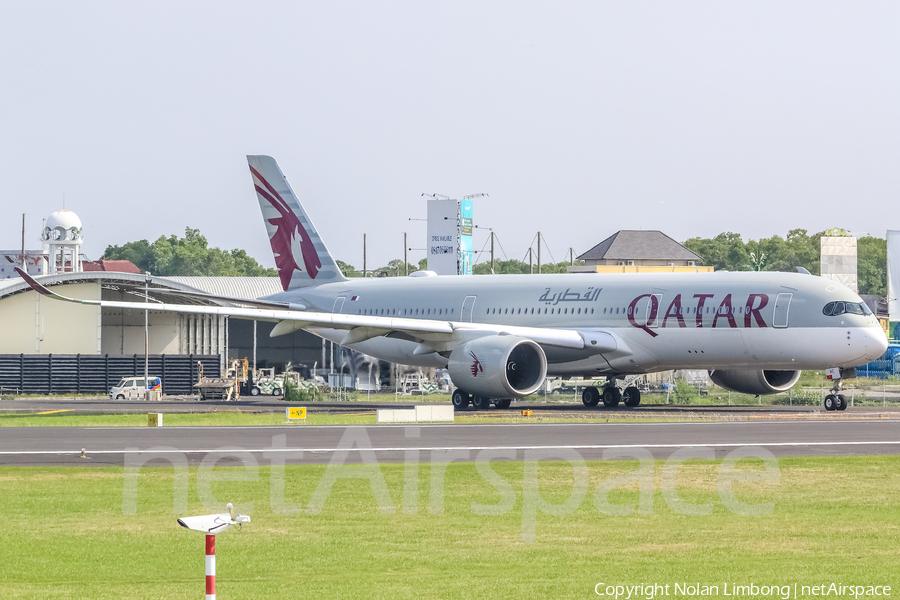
(498, 366)
(757, 383)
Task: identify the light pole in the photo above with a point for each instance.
(147, 335)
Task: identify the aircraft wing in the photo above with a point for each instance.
(233, 300)
(437, 335)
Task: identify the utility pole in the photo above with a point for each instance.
(364, 255)
(539, 251)
(530, 262)
(492, 252)
(571, 256)
(405, 248)
(23, 243)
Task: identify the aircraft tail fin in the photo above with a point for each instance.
(300, 254)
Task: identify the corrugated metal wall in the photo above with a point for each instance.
(92, 374)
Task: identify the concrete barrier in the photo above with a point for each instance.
(419, 414)
(437, 412)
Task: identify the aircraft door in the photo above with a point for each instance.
(653, 317)
(646, 311)
(338, 305)
(782, 305)
(466, 313)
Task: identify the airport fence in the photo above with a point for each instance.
(887, 365)
(92, 374)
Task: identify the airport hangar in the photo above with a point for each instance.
(34, 327)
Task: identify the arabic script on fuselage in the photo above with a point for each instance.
(551, 298)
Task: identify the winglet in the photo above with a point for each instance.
(40, 289)
(33, 284)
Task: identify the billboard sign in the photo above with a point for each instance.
(465, 237)
(443, 237)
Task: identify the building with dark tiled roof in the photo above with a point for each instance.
(630, 251)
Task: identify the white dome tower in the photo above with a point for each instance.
(62, 235)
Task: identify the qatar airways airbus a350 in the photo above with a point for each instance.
(499, 336)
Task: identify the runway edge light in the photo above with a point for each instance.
(212, 525)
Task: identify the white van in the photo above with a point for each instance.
(132, 388)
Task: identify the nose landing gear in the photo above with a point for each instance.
(835, 400)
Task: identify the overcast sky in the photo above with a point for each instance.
(579, 119)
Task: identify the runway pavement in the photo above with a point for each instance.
(440, 443)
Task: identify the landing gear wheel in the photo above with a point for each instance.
(831, 402)
(611, 397)
(254, 391)
(460, 399)
(276, 391)
(590, 396)
(503, 403)
(481, 403)
(842, 402)
(631, 396)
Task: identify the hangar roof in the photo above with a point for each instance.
(238, 287)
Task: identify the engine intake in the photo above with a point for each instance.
(757, 383)
(498, 366)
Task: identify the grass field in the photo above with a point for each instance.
(65, 534)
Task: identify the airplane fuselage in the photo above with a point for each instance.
(740, 320)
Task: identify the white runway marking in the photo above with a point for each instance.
(227, 450)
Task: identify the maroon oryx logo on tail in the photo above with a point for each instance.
(291, 243)
(476, 365)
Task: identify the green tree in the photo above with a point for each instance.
(190, 255)
(725, 252)
(507, 267)
(393, 269)
(502, 267)
(137, 253)
(347, 269)
(871, 266)
(685, 393)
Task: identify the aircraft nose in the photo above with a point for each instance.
(876, 343)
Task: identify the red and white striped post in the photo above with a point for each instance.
(211, 525)
(210, 566)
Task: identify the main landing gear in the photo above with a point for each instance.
(611, 395)
(461, 400)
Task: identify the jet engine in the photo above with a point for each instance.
(758, 383)
(498, 366)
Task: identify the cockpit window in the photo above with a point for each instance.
(833, 309)
(854, 309)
